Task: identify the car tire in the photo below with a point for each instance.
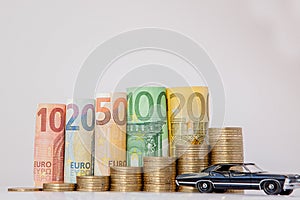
(205, 187)
(271, 187)
(286, 192)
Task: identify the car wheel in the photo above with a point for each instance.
(286, 192)
(271, 187)
(205, 187)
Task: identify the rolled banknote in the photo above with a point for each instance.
(147, 132)
(188, 115)
(110, 132)
(79, 139)
(49, 144)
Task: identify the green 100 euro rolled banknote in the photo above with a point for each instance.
(110, 132)
(147, 133)
(49, 144)
(79, 140)
(188, 115)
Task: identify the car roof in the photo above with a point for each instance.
(217, 166)
(231, 164)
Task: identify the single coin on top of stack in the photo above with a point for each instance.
(191, 159)
(159, 174)
(226, 146)
(24, 189)
(92, 183)
(59, 187)
(126, 179)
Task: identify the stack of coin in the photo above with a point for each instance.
(92, 183)
(159, 174)
(126, 179)
(191, 159)
(188, 189)
(186, 133)
(226, 146)
(24, 189)
(59, 187)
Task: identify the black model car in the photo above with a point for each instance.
(246, 176)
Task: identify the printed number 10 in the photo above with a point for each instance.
(43, 113)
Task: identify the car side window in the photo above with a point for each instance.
(226, 174)
(237, 169)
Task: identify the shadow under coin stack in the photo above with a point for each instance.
(159, 174)
(226, 146)
(191, 159)
(59, 187)
(126, 179)
(92, 183)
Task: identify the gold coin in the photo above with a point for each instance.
(24, 189)
(161, 159)
(92, 190)
(126, 189)
(127, 185)
(125, 178)
(92, 177)
(160, 181)
(159, 187)
(187, 189)
(138, 187)
(226, 128)
(134, 169)
(59, 185)
(58, 190)
(153, 170)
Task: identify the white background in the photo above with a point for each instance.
(254, 44)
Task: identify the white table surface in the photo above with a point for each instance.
(251, 195)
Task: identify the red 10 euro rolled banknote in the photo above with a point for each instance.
(49, 144)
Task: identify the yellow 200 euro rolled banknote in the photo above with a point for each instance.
(188, 115)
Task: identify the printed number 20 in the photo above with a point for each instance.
(84, 121)
(189, 108)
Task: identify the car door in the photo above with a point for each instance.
(221, 180)
(240, 178)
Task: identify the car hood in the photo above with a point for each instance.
(292, 176)
(285, 175)
(193, 175)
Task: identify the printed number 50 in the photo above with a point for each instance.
(107, 112)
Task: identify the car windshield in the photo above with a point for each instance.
(253, 168)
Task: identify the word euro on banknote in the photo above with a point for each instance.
(79, 140)
(49, 144)
(110, 132)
